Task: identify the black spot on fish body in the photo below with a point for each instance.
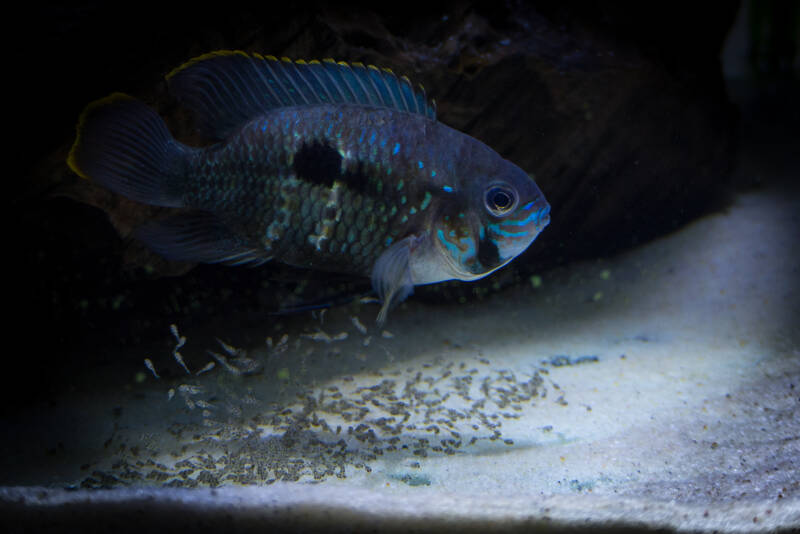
(318, 162)
(358, 180)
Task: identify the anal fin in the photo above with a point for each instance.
(199, 237)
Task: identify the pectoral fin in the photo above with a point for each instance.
(391, 275)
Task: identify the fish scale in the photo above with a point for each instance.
(321, 165)
(261, 158)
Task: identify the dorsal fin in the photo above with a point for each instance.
(227, 88)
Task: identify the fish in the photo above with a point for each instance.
(326, 165)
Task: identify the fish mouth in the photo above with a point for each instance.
(544, 218)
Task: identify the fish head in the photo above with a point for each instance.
(501, 213)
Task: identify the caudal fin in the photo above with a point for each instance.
(125, 146)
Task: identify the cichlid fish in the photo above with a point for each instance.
(333, 166)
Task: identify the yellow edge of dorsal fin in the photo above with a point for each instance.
(356, 69)
(100, 102)
(203, 57)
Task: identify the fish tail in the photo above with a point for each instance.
(125, 146)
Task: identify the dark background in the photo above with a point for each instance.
(620, 110)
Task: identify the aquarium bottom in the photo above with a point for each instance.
(656, 390)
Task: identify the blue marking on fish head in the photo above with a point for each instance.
(459, 248)
(456, 235)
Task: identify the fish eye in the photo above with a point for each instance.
(500, 200)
